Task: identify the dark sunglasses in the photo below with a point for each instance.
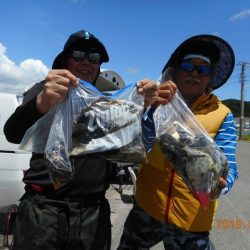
(204, 70)
(92, 57)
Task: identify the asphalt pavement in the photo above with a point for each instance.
(231, 230)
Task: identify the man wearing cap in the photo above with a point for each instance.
(76, 215)
(165, 209)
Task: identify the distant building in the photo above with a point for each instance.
(246, 122)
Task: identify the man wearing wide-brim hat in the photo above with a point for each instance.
(165, 209)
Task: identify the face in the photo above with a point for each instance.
(83, 68)
(192, 84)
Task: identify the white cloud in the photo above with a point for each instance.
(15, 78)
(132, 71)
(241, 15)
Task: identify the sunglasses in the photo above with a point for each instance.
(92, 57)
(204, 70)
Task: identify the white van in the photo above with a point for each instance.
(12, 160)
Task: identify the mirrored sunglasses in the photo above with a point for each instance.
(92, 57)
(204, 70)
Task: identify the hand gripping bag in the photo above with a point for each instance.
(190, 150)
(89, 122)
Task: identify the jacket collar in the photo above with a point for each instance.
(205, 103)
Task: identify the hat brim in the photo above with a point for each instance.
(223, 68)
(80, 43)
(58, 62)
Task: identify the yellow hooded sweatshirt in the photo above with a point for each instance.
(163, 194)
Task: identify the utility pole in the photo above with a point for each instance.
(242, 96)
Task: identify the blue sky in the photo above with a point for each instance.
(139, 35)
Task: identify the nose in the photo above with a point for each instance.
(195, 72)
(84, 61)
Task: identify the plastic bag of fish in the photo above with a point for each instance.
(190, 150)
(87, 122)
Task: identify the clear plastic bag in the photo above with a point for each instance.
(110, 126)
(88, 122)
(190, 150)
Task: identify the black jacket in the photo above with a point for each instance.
(91, 175)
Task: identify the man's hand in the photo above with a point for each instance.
(222, 184)
(148, 88)
(166, 93)
(55, 89)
